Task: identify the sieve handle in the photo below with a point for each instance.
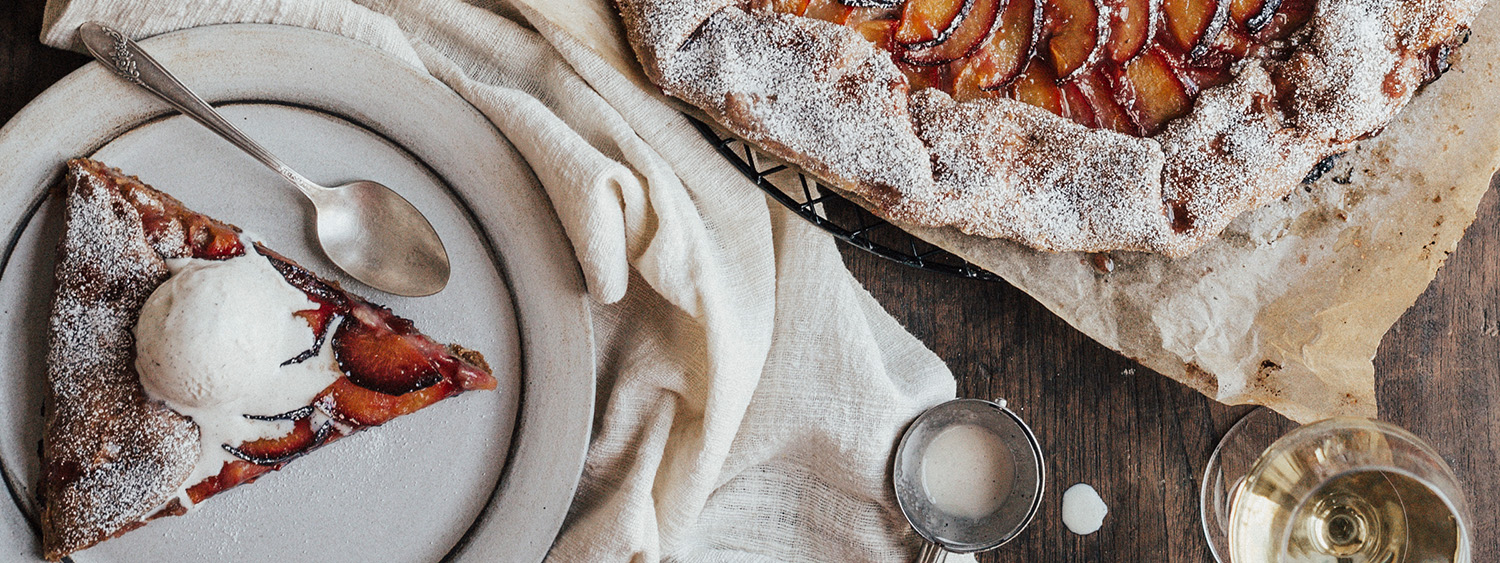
(931, 553)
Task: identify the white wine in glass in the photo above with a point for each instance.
(1344, 490)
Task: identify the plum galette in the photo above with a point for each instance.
(1066, 125)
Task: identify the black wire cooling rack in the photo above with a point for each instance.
(814, 201)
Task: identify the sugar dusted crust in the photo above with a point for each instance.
(823, 97)
(111, 455)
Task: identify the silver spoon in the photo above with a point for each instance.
(947, 532)
(367, 230)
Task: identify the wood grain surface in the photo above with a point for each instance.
(1139, 438)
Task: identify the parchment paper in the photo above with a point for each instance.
(1288, 306)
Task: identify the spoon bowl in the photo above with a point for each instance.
(366, 229)
(380, 239)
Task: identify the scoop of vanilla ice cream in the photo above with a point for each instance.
(217, 329)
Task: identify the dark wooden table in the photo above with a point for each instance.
(1139, 438)
(1142, 439)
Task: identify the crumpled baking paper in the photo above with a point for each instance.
(1287, 307)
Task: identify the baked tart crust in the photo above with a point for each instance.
(824, 97)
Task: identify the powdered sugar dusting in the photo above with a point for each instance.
(111, 456)
(1361, 62)
(1232, 154)
(844, 107)
(821, 96)
(1100, 180)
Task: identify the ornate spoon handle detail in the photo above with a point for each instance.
(133, 64)
(124, 62)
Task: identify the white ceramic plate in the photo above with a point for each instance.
(483, 477)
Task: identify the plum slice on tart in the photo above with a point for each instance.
(115, 456)
(1094, 48)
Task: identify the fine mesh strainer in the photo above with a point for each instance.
(958, 533)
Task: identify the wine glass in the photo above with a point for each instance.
(1343, 490)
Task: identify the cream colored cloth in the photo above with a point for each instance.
(750, 391)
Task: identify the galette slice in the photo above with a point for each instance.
(187, 359)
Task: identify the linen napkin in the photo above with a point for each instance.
(750, 391)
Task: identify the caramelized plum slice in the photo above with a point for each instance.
(382, 352)
(1252, 15)
(1199, 75)
(1002, 57)
(1286, 19)
(969, 77)
(966, 83)
(1195, 24)
(215, 241)
(1107, 112)
(859, 16)
(231, 474)
(974, 29)
(1038, 86)
(357, 405)
(925, 23)
(1076, 105)
(275, 452)
(878, 32)
(1152, 93)
(828, 10)
(1073, 29)
(794, 7)
(207, 239)
(1132, 25)
(920, 77)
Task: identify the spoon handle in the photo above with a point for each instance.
(114, 50)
